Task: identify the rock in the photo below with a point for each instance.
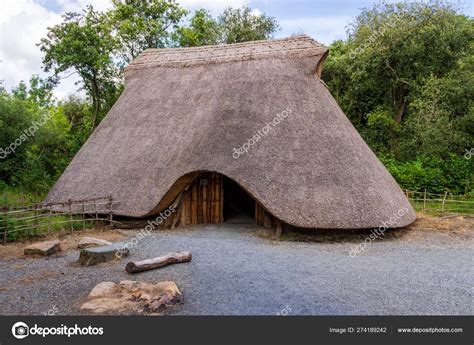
(43, 248)
(131, 297)
(87, 242)
(96, 255)
(102, 289)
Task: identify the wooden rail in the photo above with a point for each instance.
(443, 203)
(32, 219)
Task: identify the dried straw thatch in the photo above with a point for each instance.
(184, 111)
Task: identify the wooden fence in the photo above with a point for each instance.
(441, 203)
(25, 220)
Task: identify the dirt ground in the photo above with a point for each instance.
(452, 224)
(424, 269)
(68, 241)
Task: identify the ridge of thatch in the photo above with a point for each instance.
(295, 46)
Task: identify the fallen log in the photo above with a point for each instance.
(160, 261)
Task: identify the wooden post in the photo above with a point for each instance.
(50, 214)
(221, 189)
(5, 231)
(35, 219)
(83, 215)
(96, 215)
(444, 201)
(279, 229)
(71, 221)
(110, 210)
(424, 201)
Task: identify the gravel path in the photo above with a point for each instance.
(234, 271)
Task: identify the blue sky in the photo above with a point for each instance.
(24, 22)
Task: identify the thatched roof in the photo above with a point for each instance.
(185, 110)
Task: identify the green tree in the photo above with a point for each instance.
(35, 138)
(391, 60)
(202, 30)
(84, 44)
(234, 25)
(139, 25)
(405, 79)
(242, 25)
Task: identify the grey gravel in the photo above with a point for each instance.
(235, 271)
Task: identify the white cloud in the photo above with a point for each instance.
(256, 12)
(214, 6)
(323, 29)
(22, 23)
(78, 5)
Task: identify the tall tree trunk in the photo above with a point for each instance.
(400, 111)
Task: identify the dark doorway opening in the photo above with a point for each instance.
(239, 206)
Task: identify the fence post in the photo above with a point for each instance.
(35, 219)
(96, 214)
(83, 216)
(424, 201)
(70, 215)
(110, 210)
(5, 231)
(444, 201)
(50, 214)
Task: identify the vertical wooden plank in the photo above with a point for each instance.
(194, 203)
(208, 198)
(215, 198)
(189, 213)
(221, 199)
(199, 200)
(181, 210)
(204, 203)
(279, 229)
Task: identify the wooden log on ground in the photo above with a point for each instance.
(160, 261)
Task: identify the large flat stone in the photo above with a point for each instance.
(87, 242)
(96, 255)
(132, 297)
(43, 248)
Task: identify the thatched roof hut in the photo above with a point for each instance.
(189, 111)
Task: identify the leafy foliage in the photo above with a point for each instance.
(83, 43)
(139, 25)
(405, 79)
